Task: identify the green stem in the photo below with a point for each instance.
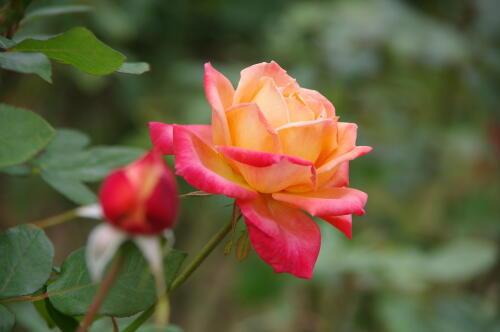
(186, 273)
(57, 219)
(26, 298)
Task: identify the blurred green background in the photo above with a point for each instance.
(421, 79)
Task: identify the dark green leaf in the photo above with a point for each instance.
(64, 323)
(27, 63)
(135, 68)
(73, 292)
(22, 135)
(53, 11)
(88, 165)
(73, 189)
(6, 43)
(7, 319)
(26, 260)
(41, 308)
(77, 47)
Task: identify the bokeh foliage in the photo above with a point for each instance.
(420, 78)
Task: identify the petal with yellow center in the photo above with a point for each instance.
(250, 77)
(298, 110)
(271, 103)
(318, 103)
(203, 167)
(327, 202)
(249, 129)
(268, 172)
(305, 139)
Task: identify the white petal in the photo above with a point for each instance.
(103, 242)
(170, 237)
(150, 247)
(92, 211)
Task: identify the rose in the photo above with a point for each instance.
(142, 197)
(277, 149)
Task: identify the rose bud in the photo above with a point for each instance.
(140, 198)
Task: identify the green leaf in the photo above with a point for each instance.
(447, 263)
(27, 63)
(6, 43)
(73, 292)
(77, 47)
(67, 140)
(7, 319)
(63, 322)
(22, 135)
(26, 260)
(135, 68)
(53, 11)
(72, 189)
(88, 165)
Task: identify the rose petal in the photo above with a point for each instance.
(249, 129)
(305, 139)
(271, 103)
(346, 150)
(203, 167)
(162, 137)
(342, 223)
(268, 172)
(327, 202)
(218, 88)
(298, 109)
(219, 92)
(318, 103)
(250, 77)
(283, 237)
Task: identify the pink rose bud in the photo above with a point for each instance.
(141, 198)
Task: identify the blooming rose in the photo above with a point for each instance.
(140, 198)
(277, 149)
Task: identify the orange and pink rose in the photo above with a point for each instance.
(279, 150)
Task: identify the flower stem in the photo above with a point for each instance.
(57, 219)
(25, 298)
(102, 292)
(186, 273)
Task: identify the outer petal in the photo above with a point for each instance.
(318, 103)
(162, 136)
(218, 88)
(219, 92)
(346, 150)
(342, 223)
(249, 129)
(115, 207)
(305, 139)
(248, 85)
(202, 166)
(327, 202)
(283, 237)
(268, 172)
